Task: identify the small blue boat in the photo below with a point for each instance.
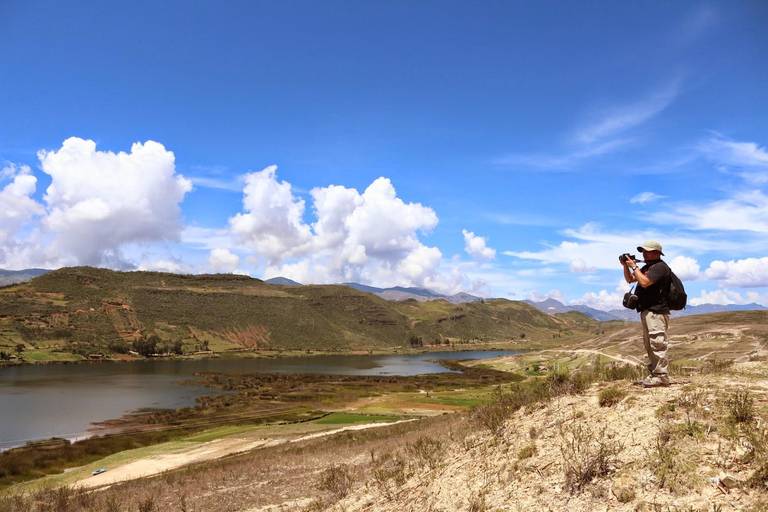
(98, 472)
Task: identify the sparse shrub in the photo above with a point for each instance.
(147, 504)
(741, 407)
(527, 451)
(586, 456)
(611, 396)
(759, 478)
(717, 366)
(625, 495)
(614, 372)
(494, 415)
(690, 402)
(667, 461)
(560, 382)
(390, 475)
(427, 451)
(337, 480)
(477, 504)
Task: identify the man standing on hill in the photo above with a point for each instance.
(652, 287)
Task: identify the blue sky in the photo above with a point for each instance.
(506, 149)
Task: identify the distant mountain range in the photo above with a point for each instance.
(396, 293)
(19, 276)
(552, 306)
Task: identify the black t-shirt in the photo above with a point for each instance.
(655, 296)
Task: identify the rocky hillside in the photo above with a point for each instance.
(699, 445)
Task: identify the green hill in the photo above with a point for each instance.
(85, 310)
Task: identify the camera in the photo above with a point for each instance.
(624, 257)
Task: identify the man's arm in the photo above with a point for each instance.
(641, 278)
(628, 275)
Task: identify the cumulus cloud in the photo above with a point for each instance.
(100, 201)
(272, 223)
(686, 268)
(645, 197)
(476, 247)
(222, 260)
(371, 237)
(749, 272)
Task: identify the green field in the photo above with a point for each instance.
(339, 418)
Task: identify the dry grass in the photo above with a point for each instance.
(543, 444)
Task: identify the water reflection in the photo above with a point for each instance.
(38, 402)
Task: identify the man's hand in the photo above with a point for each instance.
(626, 261)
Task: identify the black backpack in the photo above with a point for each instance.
(676, 297)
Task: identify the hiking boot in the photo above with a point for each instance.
(643, 381)
(656, 382)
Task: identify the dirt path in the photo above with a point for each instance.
(199, 453)
(628, 360)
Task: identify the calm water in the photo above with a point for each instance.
(39, 402)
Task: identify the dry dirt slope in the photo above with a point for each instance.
(664, 449)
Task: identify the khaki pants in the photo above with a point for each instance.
(655, 339)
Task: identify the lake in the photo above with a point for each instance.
(43, 401)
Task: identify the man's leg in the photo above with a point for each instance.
(655, 325)
(647, 341)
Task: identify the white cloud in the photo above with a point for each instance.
(749, 272)
(476, 247)
(566, 161)
(604, 300)
(371, 237)
(171, 265)
(600, 249)
(18, 207)
(579, 266)
(645, 197)
(745, 211)
(21, 243)
(725, 296)
(616, 120)
(535, 296)
(99, 201)
(222, 260)
(686, 268)
(750, 159)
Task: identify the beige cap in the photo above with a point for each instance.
(650, 245)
